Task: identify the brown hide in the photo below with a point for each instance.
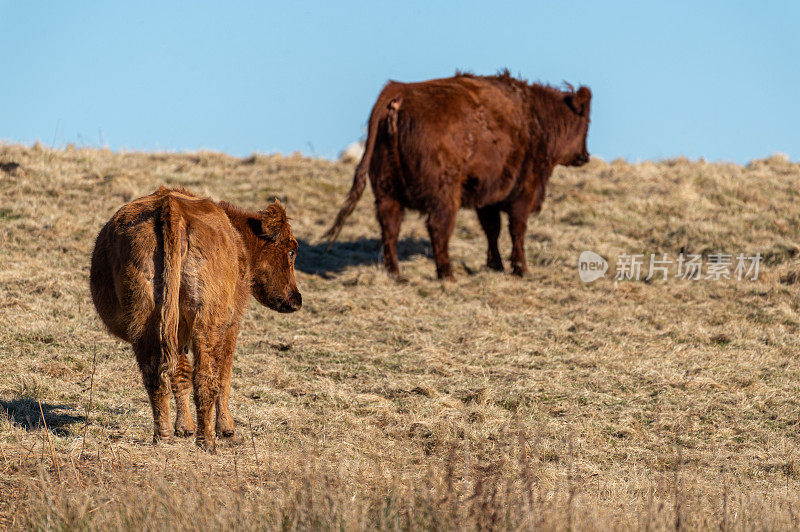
(172, 270)
(488, 143)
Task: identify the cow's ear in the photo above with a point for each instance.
(273, 221)
(579, 101)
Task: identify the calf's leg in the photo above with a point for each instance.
(182, 391)
(148, 354)
(206, 389)
(489, 218)
(225, 425)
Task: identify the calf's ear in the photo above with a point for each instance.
(273, 221)
(579, 102)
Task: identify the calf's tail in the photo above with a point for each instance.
(379, 112)
(174, 238)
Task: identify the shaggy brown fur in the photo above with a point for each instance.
(172, 270)
(489, 143)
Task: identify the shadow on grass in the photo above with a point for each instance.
(312, 258)
(24, 411)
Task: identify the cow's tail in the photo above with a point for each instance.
(173, 230)
(379, 113)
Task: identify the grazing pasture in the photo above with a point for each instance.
(494, 401)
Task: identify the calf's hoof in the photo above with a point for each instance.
(184, 432)
(206, 445)
(226, 431)
(162, 437)
(184, 426)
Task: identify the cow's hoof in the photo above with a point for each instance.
(206, 445)
(495, 266)
(519, 271)
(396, 277)
(444, 273)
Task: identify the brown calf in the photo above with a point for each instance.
(489, 143)
(173, 270)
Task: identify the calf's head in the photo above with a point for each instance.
(273, 282)
(573, 150)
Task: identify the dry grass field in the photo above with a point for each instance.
(491, 402)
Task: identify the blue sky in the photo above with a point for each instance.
(713, 79)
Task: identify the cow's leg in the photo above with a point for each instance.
(390, 216)
(148, 355)
(490, 221)
(206, 388)
(225, 426)
(441, 221)
(182, 390)
(517, 225)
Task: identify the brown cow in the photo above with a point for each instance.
(489, 143)
(171, 270)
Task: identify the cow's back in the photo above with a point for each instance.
(465, 133)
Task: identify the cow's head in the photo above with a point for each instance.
(273, 284)
(573, 151)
